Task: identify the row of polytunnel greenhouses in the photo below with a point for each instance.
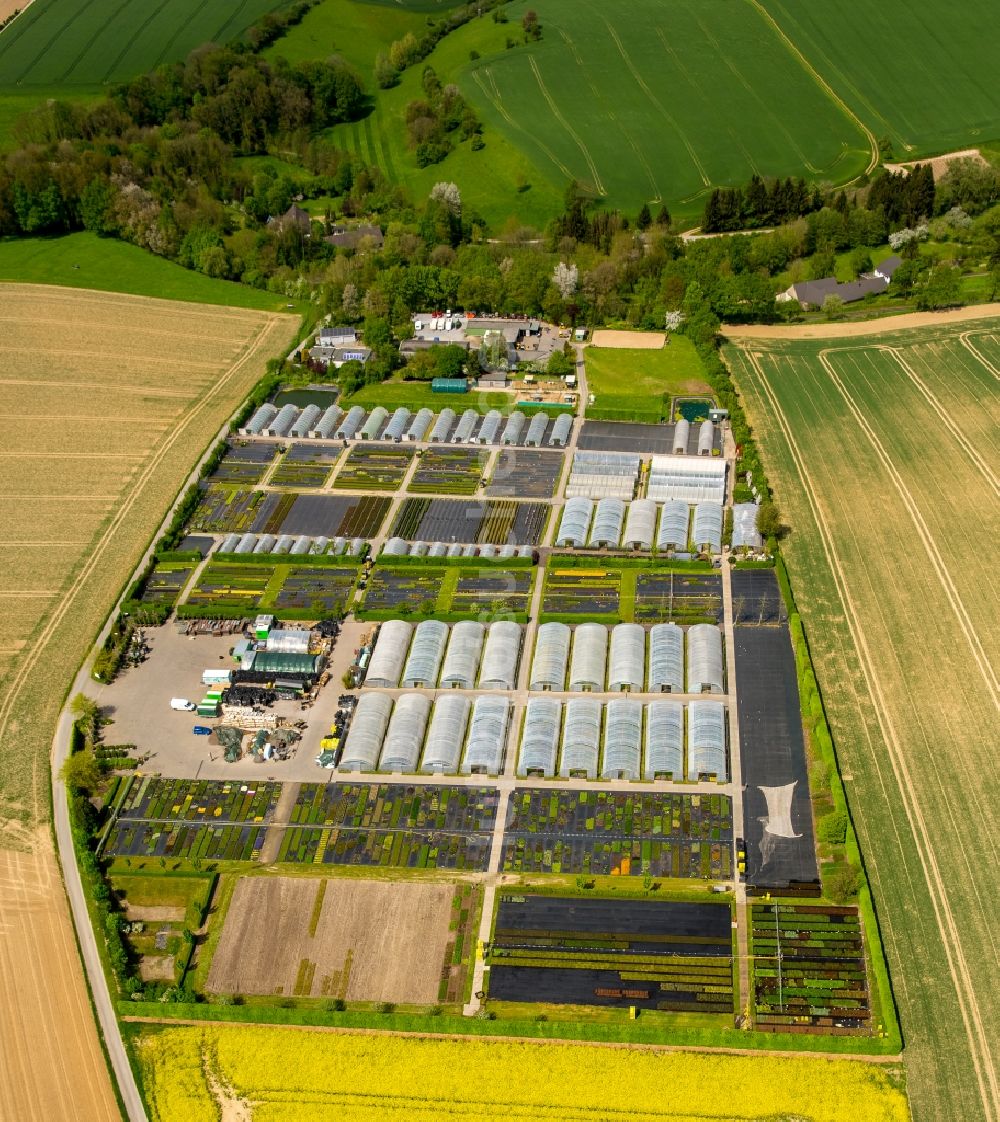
(465, 655)
(623, 739)
(454, 734)
(593, 658)
(611, 523)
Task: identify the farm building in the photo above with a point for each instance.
(675, 517)
(442, 426)
(295, 218)
(405, 733)
(588, 665)
(540, 737)
(424, 662)
(707, 529)
(288, 642)
(386, 663)
(358, 237)
(812, 294)
(487, 734)
(745, 533)
(704, 661)
(419, 425)
(349, 426)
(364, 738)
(664, 740)
(706, 741)
(627, 658)
(375, 422)
(461, 660)
(277, 662)
(598, 475)
(548, 667)
(500, 656)
(690, 479)
(581, 738)
(446, 734)
(622, 740)
(609, 517)
(465, 427)
(561, 428)
(339, 335)
(666, 658)
(575, 522)
(640, 525)
(326, 426)
(397, 425)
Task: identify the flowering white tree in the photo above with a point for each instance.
(449, 194)
(673, 320)
(565, 278)
(899, 238)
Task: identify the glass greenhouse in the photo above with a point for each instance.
(745, 533)
(691, 479)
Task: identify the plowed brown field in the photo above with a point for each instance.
(108, 401)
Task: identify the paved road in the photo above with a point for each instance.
(103, 1003)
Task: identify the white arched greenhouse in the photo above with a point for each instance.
(442, 426)
(682, 433)
(465, 428)
(694, 479)
(301, 545)
(627, 660)
(664, 757)
(622, 740)
(706, 438)
(536, 430)
(666, 658)
(367, 731)
(487, 733)
(575, 522)
(304, 422)
(319, 545)
(491, 425)
(581, 738)
(513, 428)
(349, 426)
(461, 661)
(424, 662)
(420, 424)
(548, 666)
(561, 428)
(640, 525)
(229, 543)
(265, 543)
(706, 741)
(405, 733)
(248, 543)
(704, 659)
(283, 544)
(745, 532)
(396, 547)
(279, 425)
(609, 517)
(397, 425)
(708, 526)
(326, 426)
(386, 663)
(375, 422)
(498, 670)
(674, 519)
(260, 420)
(589, 662)
(540, 737)
(438, 549)
(446, 733)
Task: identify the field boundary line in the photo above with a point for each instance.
(641, 83)
(947, 928)
(499, 1038)
(984, 468)
(153, 13)
(825, 86)
(135, 490)
(930, 546)
(966, 342)
(61, 30)
(557, 113)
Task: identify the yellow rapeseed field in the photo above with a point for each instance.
(281, 1074)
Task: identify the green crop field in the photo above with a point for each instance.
(884, 456)
(914, 74)
(64, 43)
(87, 261)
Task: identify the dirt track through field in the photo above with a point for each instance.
(954, 936)
(884, 326)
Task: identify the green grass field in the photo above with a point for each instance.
(62, 43)
(880, 451)
(637, 384)
(87, 261)
(925, 76)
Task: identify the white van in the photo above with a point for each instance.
(182, 704)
